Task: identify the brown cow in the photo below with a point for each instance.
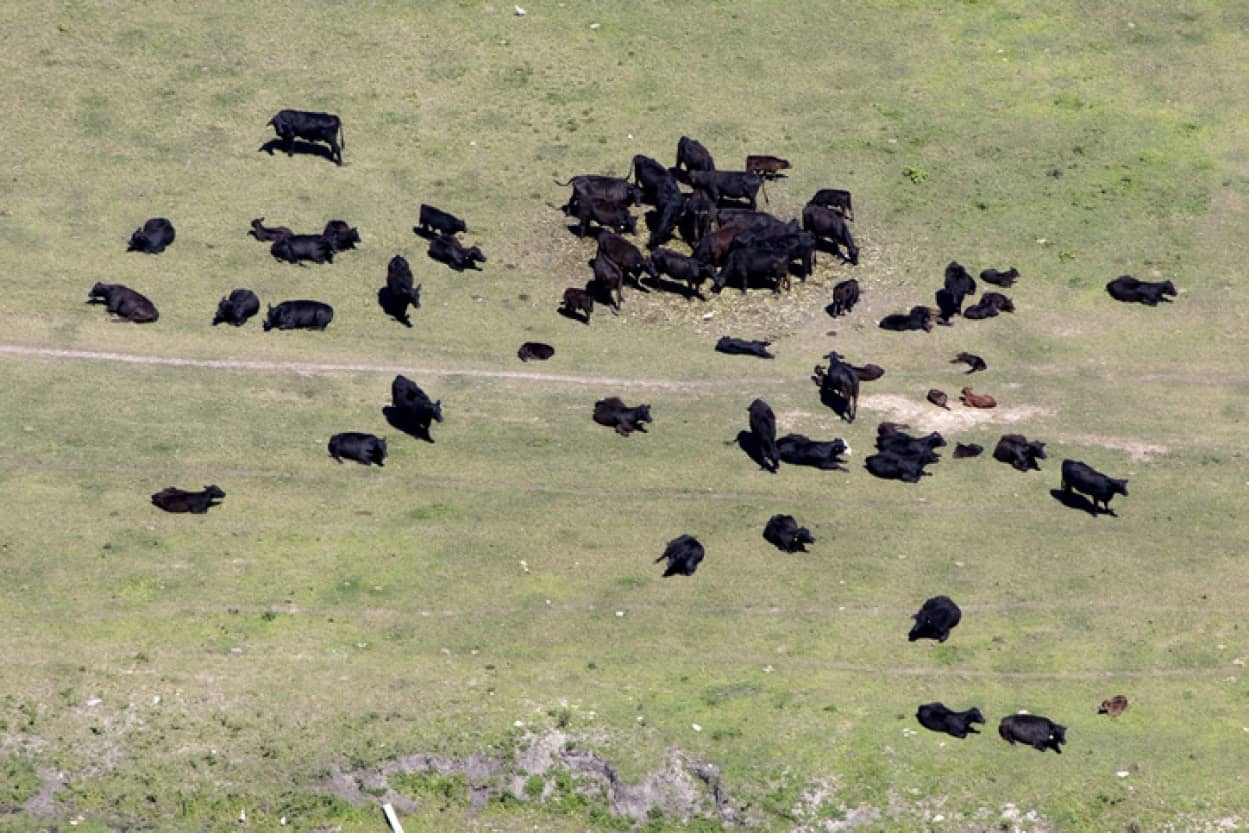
(977, 400)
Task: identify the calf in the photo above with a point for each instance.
(840, 380)
(625, 255)
(783, 532)
(299, 315)
(1114, 707)
(613, 413)
(682, 268)
(835, 198)
(399, 293)
(692, 156)
(800, 451)
(315, 127)
(1128, 289)
(752, 264)
(577, 301)
(967, 450)
(935, 619)
(741, 347)
(919, 318)
(734, 184)
(363, 448)
(999, 278)
(831, 226)
(972, 360)
(845, 296)
(450, 251)
(769, 167)
(977, 400)
(867, 372)
(197, 503)
(889, 466)
(938, 718)
(340, 236)
(938, 397)
(1086, 479)
(300, 247)
(1040, 733)
(439, 221)
(268, 234)
(535, 350)
(1021, 454)
(236, 309)
(763, 430)
(153, 237)
(607, 215)
(123, 302)
(683, 555)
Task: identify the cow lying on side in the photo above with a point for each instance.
(268, 234)
(436, 220)
(938, 718)
(797, 450)
(299, 315)
(156, 234)
(919, 318)
(1021, 454)
(363, 448)
(300, 247)
(1040, 733)
(197, 503)
(972, 360)
(783, 532)
(741, 347)
(236, 309)
(683, 555)
(1128, 289)
(999, 278)
(315, 127)
(535, 350)
(613, 413)
(450, 251)
(1086, 479)
(962, 450)
(935, 619)
(890, 466)
(123, 302)
(769, 167)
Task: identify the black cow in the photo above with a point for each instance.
(399, 293)
(831, 226)
(651, 177)
(1127, 288)
(197, 503)
(683, 555)
(980, 311)
(734, 184)
(763, 429)
(300, 247)
(935, 619)
(608, 189)
(670, 204)
(1021, 454)
(625, 255)
(867, 372)
(798, 246)
(840, 380)
(972, 360)
(962, 450)
(845, 296)
(752, 263)
(835, 198)
(675, 265)
(1086, 479)
(236, 309)
(1040, 733)
(998, 301)
(153, 237)
(919, 318)
(436, 220)
(742, 347)
(609, 278)
(890, 466)
(268, 234)
(299, 315)
(613, 413)
(578, 301)
(340, 235)
(315, 127)
(783, 532)
(959, 284)
(363, 448)
(607, 215)
(123, 302)
(800, 451)
(693, 156)
(919, 449)
(769, 167)
(450, 251)
(999, 278)
(698, 218)
(535, 350)
(938, 718)
(411, 410)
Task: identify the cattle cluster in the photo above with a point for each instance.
(730, 242)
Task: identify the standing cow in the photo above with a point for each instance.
(315, 127)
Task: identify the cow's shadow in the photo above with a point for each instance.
(834, 401)
(401, 420)
(396, 306)
(573, 316)
(749, 444)
(666, 285)
(297, 148)
(424, 233)
(1074, 500)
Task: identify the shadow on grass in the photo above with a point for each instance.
(297, 147)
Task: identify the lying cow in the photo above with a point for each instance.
(741, 347)
(436, 220)
(1040, 733)
(963, 450)
(763, 430)
(613, 413)
(889, 466)
(977, 400)
(1128, 289)
(935, 619)
(1000, 278)
(938, 718)
(845, 296)
(399, 293)
(831, 226)
(919, 318)
(734, 184)
(998, 301)
(683, 555)
(577, 301)
(682, 268)
(1086, 479)
(123, 302)
(268, 234)
(363, 448)
(197, 503)
(153, 237)
(971, 360)
(300, 247)
(450, 251)
(241, 305)
(921, 450)
(299, 315)
(797, 450)
(783, 532)
(315, 127)
(340, 235)
(535, 350)
(769, 167)
(1019, 452)
(693, 156)
(1113, 706)
(838, 199)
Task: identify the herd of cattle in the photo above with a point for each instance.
(730, 242)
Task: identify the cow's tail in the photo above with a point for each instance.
(342, 137)
(562, 184)
(763, 186)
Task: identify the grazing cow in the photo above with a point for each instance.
(998, 301)
(692, 156)
(835, 198)
(607, 215)
(268, 234)
(1114, 707)
(799, 246)
(315, 127)
(682, 268)
(797, 450)
(651, 177)
(715, 247)
(608, 189)
(156, 234)
(935, 619)
(763, 430)
(299, 315)
(845, 296)
(197, 503)
(919, 318)
(784, 533)
(751, 220)
(1040, 733)
(938, 718)
(830, 225)
(999, 278)
(399, 292)
(971, 359)
(300, 247)
(938, 398)
(340, 235)
(610, 279)
(535, 350)
(123, 302)
(977, 400)
(918, 449)
(1128, 289)
(625, 255)
(753, 263)
(613, 413)
(1086, 479)
(1021, 454)
(578, 301)
(769, 167)
(890, 466)
(236, 309)
(741, 347)
(967, 450)
(683, 555)
(450, 251)
(363, 448)
(439, 221)
(411, 410)
(733, 184)
(840, 380)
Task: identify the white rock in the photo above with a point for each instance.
(594, 25)
(519, 724)
(1123, 773)
(707, 316)
(619, 613)
(696, 727)
(94, 701)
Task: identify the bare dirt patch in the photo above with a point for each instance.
(923, 416)
(1138, 451)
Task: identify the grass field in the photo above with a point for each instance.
(296, 656)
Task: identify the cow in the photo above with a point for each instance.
(535, 350)
(938, 398)
(918, 449)
(734, 184)
(153, 237)
(1128, 289)
(1086, 479)
(450, 251)
(340, 235)
(299, 315)
(607, 215)
(436, 220)
(123, 302)
(268, 234)
(976, 400)
(747, 264)
(972, 360)
(683, 555)
(836, 198)
(890, 466)
(399, 293)
(798, 246)
(682, 268)
(1000, 278)
(670, 208)
(938, 718)
(300, 247)
(962, 450)
(698, 218)
(411, 410)
(576, 301)
(980, 311)
(1040, 733)
(797, 450)
(236, 309)
(867, 372)
(958, 286)
(609, 278)
(884, 428)
(651, 177)
(935, 619)
(763, 430)
(315, 127)
(919, 318)
(693, 156)
(769, 167)
(840, 380)
(845, 296)
(172, 499)
(998, 301)
(715, 247)
(831, 226)
(608, 189)
(741, 347)
(1021, 454)
(363, 448)
(1113, 706)
(783, 532)
(625, 255)
(613, 413)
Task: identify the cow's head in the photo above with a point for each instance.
(474, 254)
(214, 492)
(1058, 734)
(1118, 486)
(974, 716)
(269, 317)
(100, 290)
(436, 410)
(642, 413)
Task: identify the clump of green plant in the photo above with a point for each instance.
(916, 174)
(18, 782)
